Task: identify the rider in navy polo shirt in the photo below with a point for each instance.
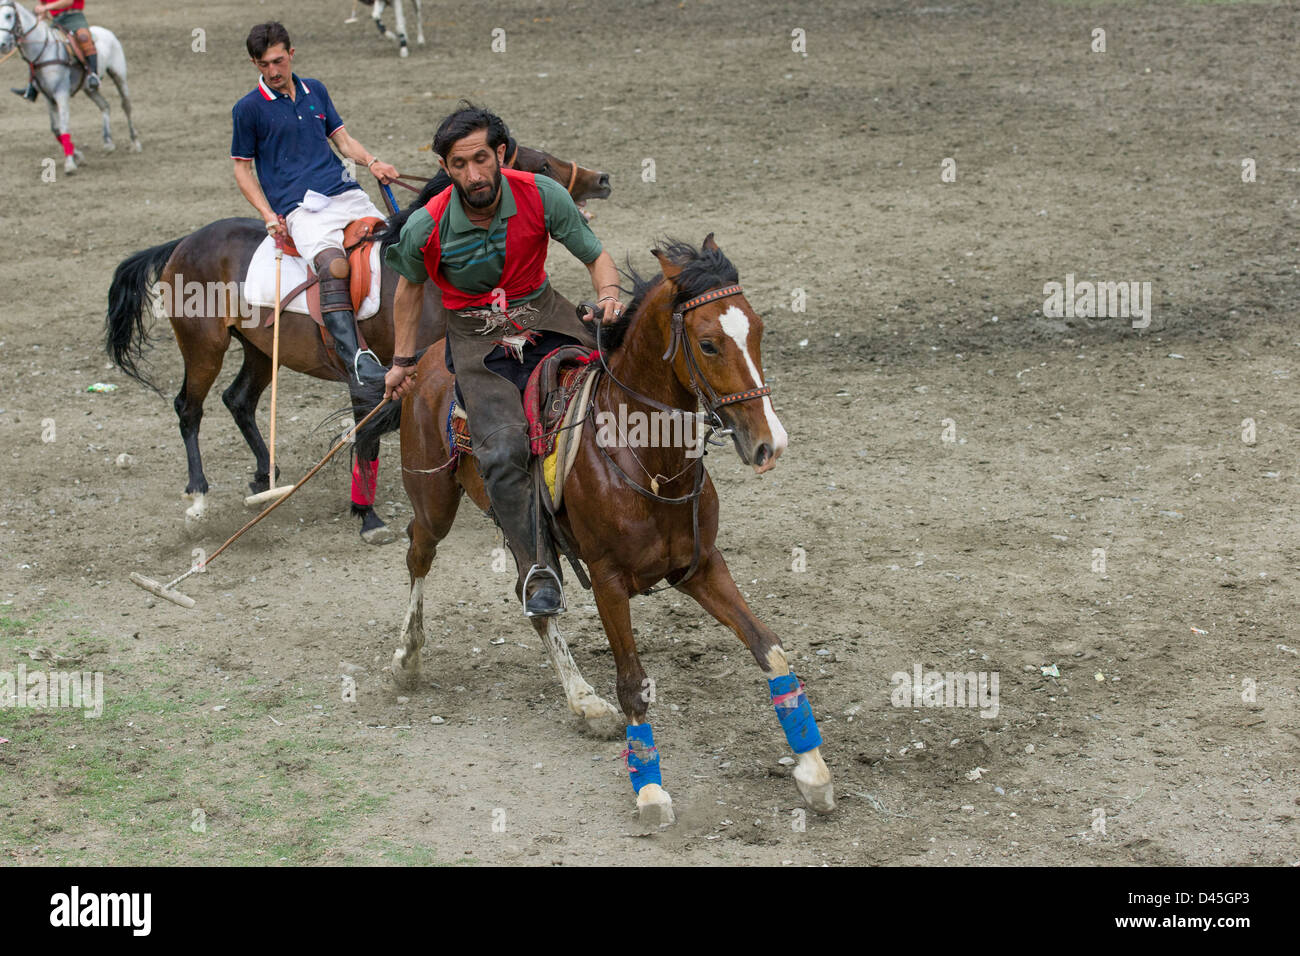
(284, 128)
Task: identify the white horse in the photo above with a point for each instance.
(59, 74)
(400, 14)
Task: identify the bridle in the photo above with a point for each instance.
(680, 339)
(509, 163)
(50, 37)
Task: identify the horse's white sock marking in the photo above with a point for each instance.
(583, 700)
(736, 324)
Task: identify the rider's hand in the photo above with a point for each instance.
(611, 310)
(275, 226)
(398, 381)
(384, 172)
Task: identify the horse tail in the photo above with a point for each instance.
(388, 420)
(125, 335)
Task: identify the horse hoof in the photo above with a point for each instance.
(69, 167)
(136, 146)
(109, 146)
(196, 513)
(405, 676)
(599, 718)
(381, 535)
(405, 52)
(814, 782)
(654, 807)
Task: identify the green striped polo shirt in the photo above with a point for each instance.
(473, 257)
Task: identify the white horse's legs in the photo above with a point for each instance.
(59, 122)
(400, 14)
(419, 23)
(599, 715)
(120, 82)
(98, 99)
(406, 659)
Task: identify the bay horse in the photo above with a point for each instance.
(59, 75)
(217, 257)
(689, 337)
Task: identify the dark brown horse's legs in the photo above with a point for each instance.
(715, 590)
(241, 398)
(616, 615)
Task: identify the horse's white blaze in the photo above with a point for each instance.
(736, 324)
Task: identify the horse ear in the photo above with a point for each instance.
(709, 244)
(671, 269)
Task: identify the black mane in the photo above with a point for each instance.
(702, 270)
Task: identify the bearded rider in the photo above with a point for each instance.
(483, 241)
(284, 128)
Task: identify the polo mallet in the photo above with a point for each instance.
(165, 590)
(272, 493)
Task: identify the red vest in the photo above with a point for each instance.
(524, 270)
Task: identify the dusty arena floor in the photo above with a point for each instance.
(971, 485)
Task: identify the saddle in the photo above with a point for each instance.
(555, 406)
(304, 297)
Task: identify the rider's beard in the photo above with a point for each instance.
(491, 197)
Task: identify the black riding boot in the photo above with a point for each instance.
(92, 71)
(336, 311)
(28, 94)
(510, 487)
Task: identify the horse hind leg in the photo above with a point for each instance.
(435, 511)
(241, 397)
(599, 718)
(365, 479)
(714, 589)
(97, 98)
(119, 80)
(419, 23)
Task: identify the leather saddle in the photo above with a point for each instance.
(357, 237)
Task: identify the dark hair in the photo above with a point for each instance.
(266, 35)
(466, 120)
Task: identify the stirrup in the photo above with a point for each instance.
(356, 365)
(546, 571)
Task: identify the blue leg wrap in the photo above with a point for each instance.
(795, 713)
(642, 756)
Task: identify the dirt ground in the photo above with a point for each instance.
(956, 458)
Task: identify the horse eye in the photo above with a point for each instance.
(708, 348)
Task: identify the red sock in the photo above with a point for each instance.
(66, 140)
(365, 476)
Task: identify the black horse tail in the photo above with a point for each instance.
(388, 420)
(125, 334)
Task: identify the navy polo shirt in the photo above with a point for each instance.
(288, 140)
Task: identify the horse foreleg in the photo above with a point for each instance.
(399, 13)
(635, 691)
(715, 590)
(97, 98)
(60, 123)
(241, 397)
(598, 715)
(419, 23)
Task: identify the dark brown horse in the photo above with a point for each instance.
(634, 515)
(217, 256)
